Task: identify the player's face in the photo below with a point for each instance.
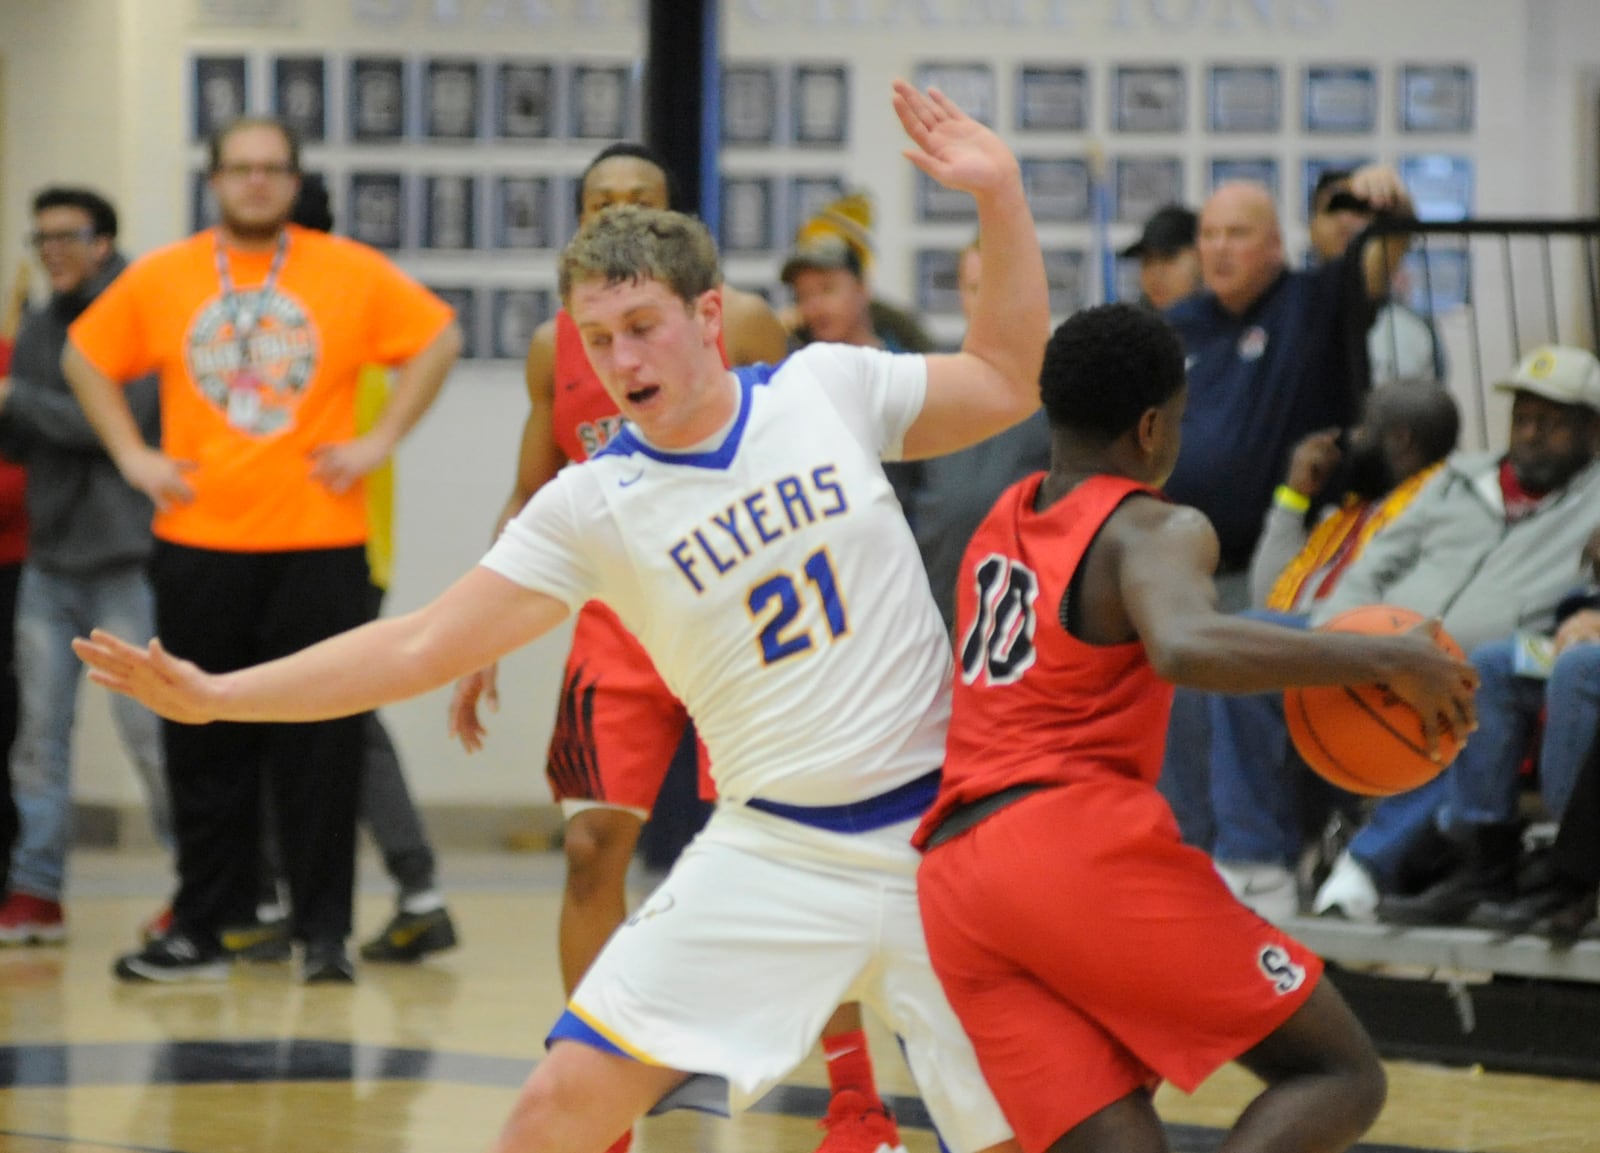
(623, 180)
(255, 182)
(1550, 442)
(833, 305)
(657, 357)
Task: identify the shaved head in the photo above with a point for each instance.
(1241, 246)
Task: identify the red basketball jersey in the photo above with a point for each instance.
(1034, 704)
(582, 414)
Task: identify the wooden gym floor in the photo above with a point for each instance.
(427, 1058)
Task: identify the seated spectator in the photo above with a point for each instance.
(1523, 675)
(1400, 344)
(1251, 824)
(1169, 264)
(1488, 546)
(1407, 433)
(1566, 906)
(1269, 354)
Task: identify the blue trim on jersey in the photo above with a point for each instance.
(625, 443)
(570, 1027)
(900, 804)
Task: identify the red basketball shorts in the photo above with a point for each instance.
(1088, 953)
(617, 725)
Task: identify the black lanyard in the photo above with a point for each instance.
(244, 320)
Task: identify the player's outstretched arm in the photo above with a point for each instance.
(1164, 558)
(477, 620)
(993, 382)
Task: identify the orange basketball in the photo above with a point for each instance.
(1362, 737)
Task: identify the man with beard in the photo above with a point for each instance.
(1408, 430)
(88, 545)
(258, 329)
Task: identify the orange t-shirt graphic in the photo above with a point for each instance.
(335, 306)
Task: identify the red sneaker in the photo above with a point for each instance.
(29, 920)
(623, 1143)
(854, 1126)
(157, 926)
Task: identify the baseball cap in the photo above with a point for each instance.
(821, 252)
(1171, 229)
(1560, 373)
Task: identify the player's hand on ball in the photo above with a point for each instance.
(1438, 684)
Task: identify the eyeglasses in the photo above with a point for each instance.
(241, 171)
(71, 236)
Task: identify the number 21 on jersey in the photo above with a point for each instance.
(775, 603)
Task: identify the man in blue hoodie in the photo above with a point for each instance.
(88, 544)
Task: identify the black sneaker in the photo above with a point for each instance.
(327, 963)
(412, 936)
(173, 959)
(261, 941)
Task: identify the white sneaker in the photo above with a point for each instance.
(1267, 890)
(1349, 891)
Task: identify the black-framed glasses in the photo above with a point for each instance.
(243, 171)
(66, 236)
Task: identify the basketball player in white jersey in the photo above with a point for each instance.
(742, 528)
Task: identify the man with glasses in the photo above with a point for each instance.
(258, 329)
(88, 547)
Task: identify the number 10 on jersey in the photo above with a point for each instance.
(775, 604)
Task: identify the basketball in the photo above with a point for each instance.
(1362, 737)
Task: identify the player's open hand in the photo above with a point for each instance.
(951, 146)
(169, 687)
(466, 725)
(1438, 684)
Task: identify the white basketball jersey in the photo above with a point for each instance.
(772, 578)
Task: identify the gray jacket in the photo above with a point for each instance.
(1451, 554)
(83, 517)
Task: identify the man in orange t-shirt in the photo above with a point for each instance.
(258, 330)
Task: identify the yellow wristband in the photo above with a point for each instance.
(1286, 498)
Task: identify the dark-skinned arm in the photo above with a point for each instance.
(1165, 557)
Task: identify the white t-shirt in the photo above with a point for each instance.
(771, 577)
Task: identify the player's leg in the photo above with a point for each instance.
(1325, 1084)
(1126, 1126)
(857, 1117)
(599, 844)
(580, 1099)
(616, 730)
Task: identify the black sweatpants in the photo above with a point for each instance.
(224, 611)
